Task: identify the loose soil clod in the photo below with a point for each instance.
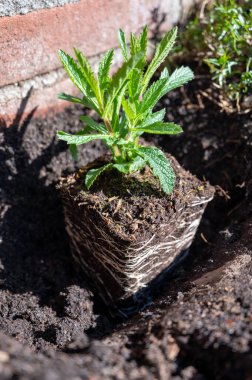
(126, 231)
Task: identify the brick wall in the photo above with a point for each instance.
(32, 31)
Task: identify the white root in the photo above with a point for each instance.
(132, 266)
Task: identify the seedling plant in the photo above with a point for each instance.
(125, 105)
(221, 37)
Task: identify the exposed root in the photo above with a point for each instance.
(119, 268)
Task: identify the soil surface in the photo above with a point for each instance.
(199, 326)
(134, 205)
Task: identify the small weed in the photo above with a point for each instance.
(222, 38)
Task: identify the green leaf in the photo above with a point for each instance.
(73, 151)
(92, 174)
(89, 75)
(162, 50)
(133, 85)
(69, 98)
(73, 71)
(84, 131)
(164, 73)
(130, 167)
(160, 128)
(152, 95)
(115, 117)
(137, 164)
(75, 74)
(163, 86)
(152, 118)
(91, 123)
(119, 97)
(80, 139)
(118, 92)
(123, 126)
(160, 166)
(123, 45)
(73, 99)
(104, 67)
(178, 78)
(123, 73)
(140, 45)
(134, 48)
(143, 41)
(128, 108)
(119, 82)
(122, 168)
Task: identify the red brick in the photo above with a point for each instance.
(40, 104)
(29, 43)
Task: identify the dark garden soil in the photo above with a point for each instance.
(134, 205)
(199, 325)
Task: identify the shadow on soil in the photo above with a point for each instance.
(34, 250)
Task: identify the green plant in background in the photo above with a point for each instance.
(124, 103)
(222, 38)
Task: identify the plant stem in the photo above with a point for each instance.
(108, 126)
(115, 148)
(116, 151)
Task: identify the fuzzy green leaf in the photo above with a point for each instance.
(128, 108)
(104, 67)
(152, 118)
(73, 99)
(134, 82)
(160, 166)
(119, 82)
(130, 167)
(92, 174)
(69, 98)
(124, 72)
(139, 45)
(75, 74)
(123, 45)
(143, 41)
(162, 86)
(137, 164)
(73, 151)
(178, 78)
(164, 73)
(88, 74)
(73, 71)
(91, 123)
(119, 97)
(152, 95)
(123, 126)
(80, 139)
(115, 117)
(134, 48)
(162, 50)
(160, 128)
(122, 168)
(118, 92)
